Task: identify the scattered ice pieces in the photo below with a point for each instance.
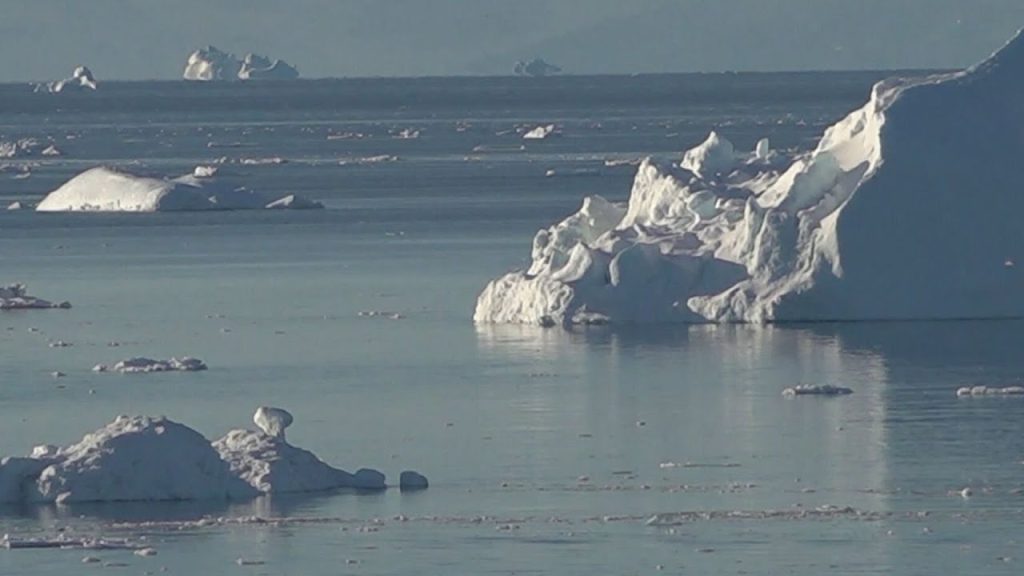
(143, 365)
(145, 552)
(990, 391)
(381, 314)
(816, 390)
(59, 344)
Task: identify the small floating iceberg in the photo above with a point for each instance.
(816, 390)
(140, 458)
(81, 80)
(209, 64)
(104, 189)
(15, 297)
(142, 365)
(990, 391)
(540, 132)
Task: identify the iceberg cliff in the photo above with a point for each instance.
(906, 209)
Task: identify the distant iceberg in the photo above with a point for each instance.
(906, 209)
(107, 190)
(81, 80)
(209, 63)
(16, 297)
(535, 67)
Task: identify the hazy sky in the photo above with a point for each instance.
(135, 39)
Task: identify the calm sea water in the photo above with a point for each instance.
(548, 451)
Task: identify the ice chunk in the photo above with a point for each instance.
(255, 67)
(712, 157)
(904, 210)
(139, 458)
(272, 421)
(295, 202)
(143, 365)
(540, 132)
(14, 297)
(271, 465)
(104, 189)
(990, 391)
(816, 390)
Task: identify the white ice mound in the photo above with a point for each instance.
(906, 209)
(139, 458)
(143, 365)
(210, 63)
(271, 465)
(104, 189)
(15, 297)
(81, 80)
(272, 421)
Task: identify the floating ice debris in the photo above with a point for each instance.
(57, 374)
(622, 162)
(19, 148)
(540, 132)
(17, 205)
(411, 480)
(294, 202)
(66, 542)
(81, 80)
(743, 239)
(535, 67)
(205, 171)
(248, 562)
(59, 344)
(145, 552)
(381, 314)
(407, 134)
(816, 390)
(990, 391)
(272, 161)
(272, 421)
(143, 365)
(14, 297)
(106, 190)
(358, 161)
(966, 492)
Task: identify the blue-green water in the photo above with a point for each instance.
(548, 451)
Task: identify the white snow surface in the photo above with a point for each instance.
(139, 458)
(103, 189)
(906, 209)
(210, 63)
(15, 297)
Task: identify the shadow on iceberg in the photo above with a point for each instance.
(906, 209)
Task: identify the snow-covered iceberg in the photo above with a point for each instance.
(906, 209)
(104, 189)
(140, 458)
(535, 67)
(15, 297)
(210, 63)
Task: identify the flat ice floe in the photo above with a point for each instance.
(15, 297)
(104, 189)
(142, 365)
(209, 63)
(140, 458)
(906, 209)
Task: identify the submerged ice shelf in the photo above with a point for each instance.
(906, 209)
(141, 458)
(104, 189)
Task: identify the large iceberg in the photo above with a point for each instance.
(906, 209)
(210, 63)
(104, 189)
(140, 458)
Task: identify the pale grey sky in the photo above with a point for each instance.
(137, 39)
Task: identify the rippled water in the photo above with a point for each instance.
(591, 451)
